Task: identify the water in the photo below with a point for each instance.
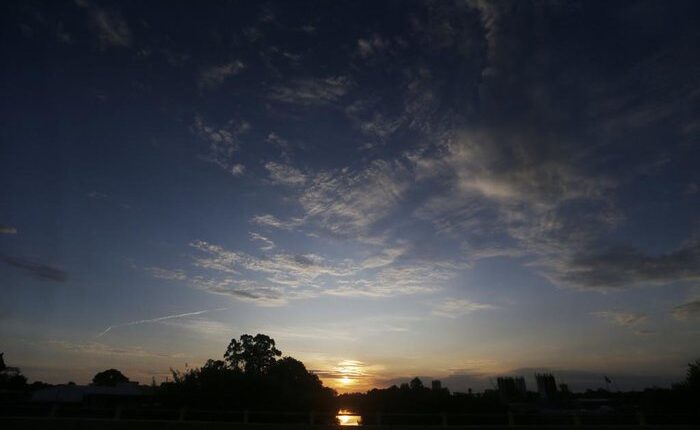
(347, 418)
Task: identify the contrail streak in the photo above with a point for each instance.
(152, 320)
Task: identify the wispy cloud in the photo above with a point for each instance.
(222, 143)
(372, 45)
(6, 229)
(267, 220)
(203, 326)
(416, 278)
(626, 267)
(268, 244)
(453, 308)
(96, 195)
(348, 202)
(311, 91)
(112, 28)
(622, 318)
(38, 270)
(213, 76)
(687, 311)
(161, 273)
(348, 374)
(97, 348)
(275, 278)
(285, 174)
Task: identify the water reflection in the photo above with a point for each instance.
(347, 418)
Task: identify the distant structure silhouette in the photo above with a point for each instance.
(546, 385)
(511, 388)
(436, 385)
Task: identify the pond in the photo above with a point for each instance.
(348, 418)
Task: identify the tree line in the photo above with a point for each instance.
(253, 375)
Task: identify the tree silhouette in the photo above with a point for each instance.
(692, 378)
(252, 355)
(109, 378)
(416, 384)
(250, 377)
(10, 377)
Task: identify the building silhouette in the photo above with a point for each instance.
(546, 385)
(510, 388)
(436, 385)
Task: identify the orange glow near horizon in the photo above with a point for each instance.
(349, 375)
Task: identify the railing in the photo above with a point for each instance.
(552, 420)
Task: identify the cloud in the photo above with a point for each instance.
(312, 92)
(112, 28)
(222, 143)
(96, 195)
(686, 311)
(237, 169)
(347, 202)
(281, 268)
(502, 198)
(259, 293)
(452, 308)
(38, 270)
(348, 374)
(97, 348)
(370, 120)
(622, 318)
(213, 76)
(285, 174)
(276, 278)
(161, 273)
(6, 229)
(373, 45)
(616, 268)
(204, 327)
(417, 278)
(268, 220)
(267, 243)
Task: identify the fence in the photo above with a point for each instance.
(378, 420)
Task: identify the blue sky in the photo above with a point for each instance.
(454, 190)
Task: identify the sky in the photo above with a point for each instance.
(449, 189)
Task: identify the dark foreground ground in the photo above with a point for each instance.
(105, 424)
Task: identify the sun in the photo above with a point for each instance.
(345, 380)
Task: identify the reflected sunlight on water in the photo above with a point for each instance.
(346, 418)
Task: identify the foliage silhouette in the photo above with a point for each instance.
(10, 377)
(249, 378)
(109, 378)
(251, 354)
(692, 379)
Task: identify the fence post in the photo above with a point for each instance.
(245, 417)
(181, 417)
(444, 419)
(54, 410)
(511, 419)
(577, 420)
(379, 418)
(118, 413)
(312, 418)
